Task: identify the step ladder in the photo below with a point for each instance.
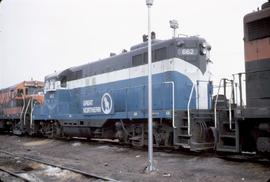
(186, 121)
(193, 141)
(182, 128)
(225, 122)
(228, 140)
(181, 136)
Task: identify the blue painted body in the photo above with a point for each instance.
(129, 99)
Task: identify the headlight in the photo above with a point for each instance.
(204, 51)
(204, 45)
(203, 48)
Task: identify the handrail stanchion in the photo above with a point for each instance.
(188, 107)
(230, 114)
(215, 106)
(173, 105)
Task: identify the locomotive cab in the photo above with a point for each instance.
(195, 52)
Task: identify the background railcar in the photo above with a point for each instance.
(250, 124)
(16, 103)
(255, 129)
(108, 98)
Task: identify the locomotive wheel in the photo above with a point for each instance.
(56, 130)
(138, 136)
(263, 144)
(162, 136)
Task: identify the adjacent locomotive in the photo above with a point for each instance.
(247, 128)
(255, 129)
(108, 98)
(17, 102)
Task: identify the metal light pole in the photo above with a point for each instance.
(150, 166)
(174, 25)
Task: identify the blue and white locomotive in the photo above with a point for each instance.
(108, 98)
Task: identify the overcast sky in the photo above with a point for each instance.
(38, 37)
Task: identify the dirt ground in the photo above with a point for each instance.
(127, 164)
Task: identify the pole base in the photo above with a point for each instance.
(150, 168)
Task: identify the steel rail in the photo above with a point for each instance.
(62, 167)
(15, 175)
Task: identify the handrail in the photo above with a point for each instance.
(21, 115)
(26, 111)
(230, 114)
(173, 105)
(32, 109)
(236, 94)
(230, 107)
(198, 93)
(215, 106)
(188, 107)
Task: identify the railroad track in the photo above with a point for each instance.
(241, 157)
(15, 175)
(83, 173)
(226, 156)
(244, 158)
